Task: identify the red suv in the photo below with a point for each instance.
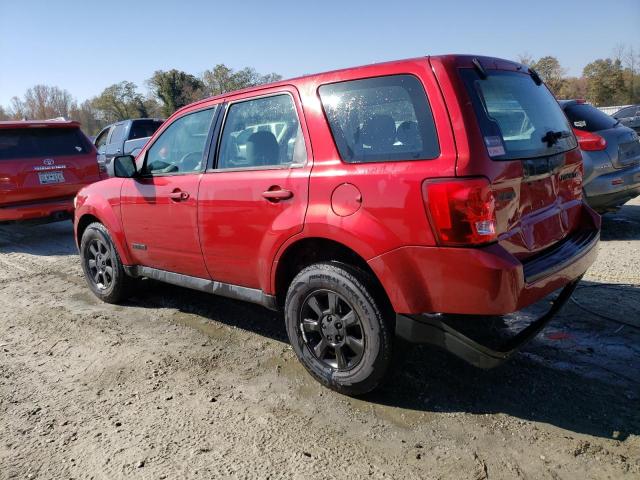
(43, 164)
(364, 202)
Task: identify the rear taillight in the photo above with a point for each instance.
(461, 211)
(590, 141)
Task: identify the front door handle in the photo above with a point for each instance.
(179, 195)
(275, 194)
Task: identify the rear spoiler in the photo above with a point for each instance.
(39, 124)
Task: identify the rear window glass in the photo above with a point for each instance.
(518, 118)
(41, 142)
(380, 119)
(588, 118)
(144, 128)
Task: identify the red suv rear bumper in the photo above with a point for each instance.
(51, 210)
(482, 281)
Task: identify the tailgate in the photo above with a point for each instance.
(527, 150)
(44, 164)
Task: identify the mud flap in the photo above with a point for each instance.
(434, 330)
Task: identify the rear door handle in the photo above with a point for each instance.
(179, 195)
(276, 194)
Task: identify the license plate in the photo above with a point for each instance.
(51, 177)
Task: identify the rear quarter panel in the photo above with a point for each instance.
(391, 212)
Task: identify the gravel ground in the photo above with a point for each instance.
(179, 384)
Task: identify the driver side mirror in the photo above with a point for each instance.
(123, 166)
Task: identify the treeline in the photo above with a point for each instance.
(168, 91)
(604, 82)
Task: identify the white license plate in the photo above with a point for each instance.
(51, 177)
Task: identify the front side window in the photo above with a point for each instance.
(101, 141)
(180, 148)
(380, 119)
(264, 132)
(518, 118)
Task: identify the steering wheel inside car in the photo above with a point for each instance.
(190, 162)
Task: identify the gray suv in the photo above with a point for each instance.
(611, 154)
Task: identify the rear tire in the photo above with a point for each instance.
(102, 267)
(337, 329)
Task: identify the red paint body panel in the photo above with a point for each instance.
(241, 230)
(165, 229)
(102, 201)
(230, 233)
(24, 197)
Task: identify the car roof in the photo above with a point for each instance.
(39, 124)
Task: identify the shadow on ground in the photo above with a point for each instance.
(622, 225)
(52, 239)
(549, 381)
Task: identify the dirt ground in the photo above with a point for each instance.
(180, 384)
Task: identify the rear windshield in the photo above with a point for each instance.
(144, 128)
(380, 119)
(41, 142)
(588, 118)
(518, 118)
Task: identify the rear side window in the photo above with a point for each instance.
(41, 142)
(262, 132)
(588, 118)
(518, 118)
(144, 128)
(380, 119)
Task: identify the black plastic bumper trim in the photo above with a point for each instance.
(435, 331)
(560, 255)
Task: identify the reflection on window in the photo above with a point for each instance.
(260, 133)
(380, 119)
(180, 148)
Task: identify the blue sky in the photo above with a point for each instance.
(85, 46)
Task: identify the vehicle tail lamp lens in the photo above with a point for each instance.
(590, 141)
(461, 211)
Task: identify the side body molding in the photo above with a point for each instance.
(252, 295)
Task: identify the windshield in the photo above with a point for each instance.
(588, 118)
(41, 142)
(518, 118)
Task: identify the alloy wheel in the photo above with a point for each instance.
(332, 330)
(100, 264)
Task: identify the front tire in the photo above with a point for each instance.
(337, 329)
(102, 267)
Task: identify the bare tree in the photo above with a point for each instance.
(41, 102)
(526, 58)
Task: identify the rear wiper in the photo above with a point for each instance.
(551, 137)
(536, 78)
(482, 73)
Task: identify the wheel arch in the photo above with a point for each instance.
(109, 219)
(309, 250)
